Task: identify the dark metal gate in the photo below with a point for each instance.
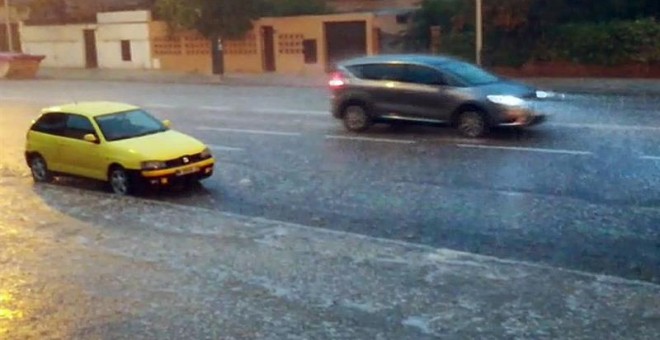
(91, 57)
(269, 48)
(344, 40)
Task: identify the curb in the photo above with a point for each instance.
(570, 89)
(219, 82)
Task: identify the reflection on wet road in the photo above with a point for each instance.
(578, 192)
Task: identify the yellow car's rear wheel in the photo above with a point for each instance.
(39, 169)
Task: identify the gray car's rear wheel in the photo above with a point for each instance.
(472, 123)
(356, 118)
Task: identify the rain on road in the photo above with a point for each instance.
(579, 192)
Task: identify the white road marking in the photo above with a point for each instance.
(453, 140)
(515, 148)
(160, 106)
(605, 126)
(369, 139)
(651, 158)
(256, 132)
(291, 111)
(216, 108)
(247, 119)
(222, 147)
(264, 110)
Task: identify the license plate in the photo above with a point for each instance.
(187, 171)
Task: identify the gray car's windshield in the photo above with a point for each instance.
(468, 74)
(129, 124)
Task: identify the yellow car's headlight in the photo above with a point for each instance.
(153, 165)
(206, 153)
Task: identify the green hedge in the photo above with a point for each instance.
(458, 45)
(499, 49)
(609, 43)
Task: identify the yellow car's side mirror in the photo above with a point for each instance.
(167, 123)
(90, 138)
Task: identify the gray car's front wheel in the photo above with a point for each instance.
(472, 123)
(356, 118)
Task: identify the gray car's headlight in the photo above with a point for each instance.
(206, 153)
(153, 165)
(543, 94)
(506, 100)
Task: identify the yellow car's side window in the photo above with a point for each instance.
(51, 123)
(78, 126)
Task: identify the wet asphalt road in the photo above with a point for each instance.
(579, 192)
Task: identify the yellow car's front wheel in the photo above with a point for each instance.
(120, 181)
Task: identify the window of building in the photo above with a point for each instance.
(310, 51)
(402, 19)
(126, 50)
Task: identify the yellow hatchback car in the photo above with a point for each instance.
(114, 142)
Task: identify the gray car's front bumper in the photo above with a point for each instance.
(530, 114)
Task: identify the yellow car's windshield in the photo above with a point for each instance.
(129, 124)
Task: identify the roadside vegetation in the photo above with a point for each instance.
(607, 32)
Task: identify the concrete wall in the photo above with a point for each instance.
(63, 45)
(289, 34)
(182, 52)
(190, 52)
(117, 26)
(246, 55)
(108, 44)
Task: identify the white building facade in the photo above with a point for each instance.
(118, 40)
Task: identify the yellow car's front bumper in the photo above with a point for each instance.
(198, 170)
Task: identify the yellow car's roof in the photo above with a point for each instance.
(91, 109)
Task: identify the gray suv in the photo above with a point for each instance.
(420, 88)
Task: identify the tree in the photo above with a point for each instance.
(227, 19)
(230, 18)
(452, 16)
(47, 11)
(279, 8)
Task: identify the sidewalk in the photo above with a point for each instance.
(81, 264)
(650, 87)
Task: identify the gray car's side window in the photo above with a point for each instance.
(389, 72)
(417, 74)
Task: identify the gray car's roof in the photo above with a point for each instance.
(393, 58)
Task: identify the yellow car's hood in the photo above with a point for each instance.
(161, 146)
